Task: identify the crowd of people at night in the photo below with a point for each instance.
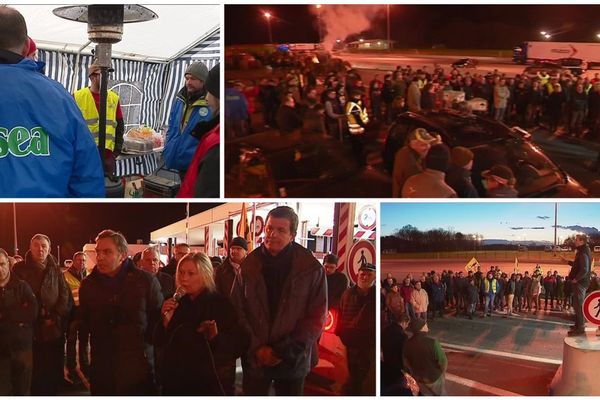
(472, 294)
(134, 326)
(331, 99)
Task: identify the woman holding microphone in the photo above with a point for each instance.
(199, 334)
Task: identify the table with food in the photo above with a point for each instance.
(141, 153)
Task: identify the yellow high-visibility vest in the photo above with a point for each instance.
(74, 285)
(87, 105)
(353, 125)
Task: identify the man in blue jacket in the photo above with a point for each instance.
(189, 109)
(45, 147)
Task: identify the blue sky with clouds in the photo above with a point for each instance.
(509, 221)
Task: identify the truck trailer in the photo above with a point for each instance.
(554, 51)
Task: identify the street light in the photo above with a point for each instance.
(318, 7)
(388, 26)
(598, 35)
(268, 16)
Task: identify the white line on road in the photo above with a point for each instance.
(553, 361)
(479, 386)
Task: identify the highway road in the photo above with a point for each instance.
(399, 268)
(387, 62)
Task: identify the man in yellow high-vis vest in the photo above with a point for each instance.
(76, 331)
(88, 101)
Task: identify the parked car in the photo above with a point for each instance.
(269, 164)
(553, 69)
(576, 65)
(465, 63)
(492, 143)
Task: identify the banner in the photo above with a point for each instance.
(472, 265)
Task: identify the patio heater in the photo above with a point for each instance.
(105, 27)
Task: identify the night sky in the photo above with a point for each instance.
(71, 225)
(455, 26)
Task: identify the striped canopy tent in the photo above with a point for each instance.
(149, 62)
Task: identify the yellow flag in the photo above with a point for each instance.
(244, 228)
(471, 265)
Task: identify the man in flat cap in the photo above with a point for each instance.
(356, 329)
(189, 108)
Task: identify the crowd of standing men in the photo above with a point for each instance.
(435, 295)
(179, 329)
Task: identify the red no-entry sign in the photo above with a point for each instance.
(591, 307)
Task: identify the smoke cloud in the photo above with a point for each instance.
(518, 228)
(341, 21)
(588, 230)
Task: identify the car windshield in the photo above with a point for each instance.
(471, 132)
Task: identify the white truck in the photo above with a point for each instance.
(553, 51)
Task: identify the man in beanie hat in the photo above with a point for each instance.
(408, 161)
(458, 176)
(88, 101)
(189, 108)
(500, 181)
(45, 149)
(202, 177)
(425, 360)
(356, 329)
(228, 277)
(430, 182)
(337, 282)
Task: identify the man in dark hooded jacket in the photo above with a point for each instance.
(579, 276)
(40, 271)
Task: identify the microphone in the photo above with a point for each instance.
(179, 293)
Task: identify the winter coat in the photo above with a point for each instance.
(424, 358)
(54, 300)
(356, 323)
(459, 179)
(46, 149)
(501, 95)
(406, 164)
(225, 277)
(18, 312)
(580, 267)
(201, 179)
(300, 316)
(337, 283)
(406, 292)
(427, 184)
(419, 300)
(181, 144)
(186, 357)
(121, 318)
(438, 292)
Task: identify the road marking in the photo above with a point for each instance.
(524, 357)
(479, 386)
